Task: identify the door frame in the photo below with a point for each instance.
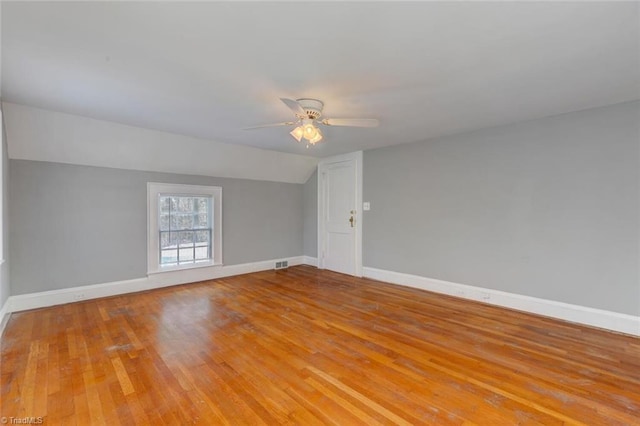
(322, 167)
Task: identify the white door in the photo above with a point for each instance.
(339, 216)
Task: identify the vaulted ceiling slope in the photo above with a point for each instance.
(208, 70)
(43, 135)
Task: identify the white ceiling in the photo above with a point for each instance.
(208, 70)
(42, 135)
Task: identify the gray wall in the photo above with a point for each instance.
(546, 208)
(310, 220)
(5, 288)
(78, 225)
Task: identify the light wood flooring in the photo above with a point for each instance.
(303, 346)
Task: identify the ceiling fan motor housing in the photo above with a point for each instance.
(312, 107)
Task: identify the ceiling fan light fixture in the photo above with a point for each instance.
(317, 138)
(308, 112)
(297, 133)
(310, 131)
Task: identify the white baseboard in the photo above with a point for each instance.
(311, 261)
(23, 302)
(615, 321)
(4, 316)
(575, 313)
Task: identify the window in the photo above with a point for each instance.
(185, 229)
(185, 223)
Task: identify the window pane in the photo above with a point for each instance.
(165, 204)
(186, 238)
(185, 221)
(202, 220)
(185, 204)
(186, 255)
(181, 221)
(202, 236)
(202, 253)
(168, 256)
(164, 222)
(165, 241)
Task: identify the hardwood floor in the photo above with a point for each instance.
(302, 346)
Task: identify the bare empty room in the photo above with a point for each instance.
(310, 213)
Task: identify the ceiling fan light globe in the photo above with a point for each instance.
(317, 138)
(310, 131)
(297, 133)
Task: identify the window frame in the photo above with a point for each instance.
(154, 191)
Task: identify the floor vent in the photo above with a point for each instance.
(282, 265)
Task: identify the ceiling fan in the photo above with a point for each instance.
(308, 113)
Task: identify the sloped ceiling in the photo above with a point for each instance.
(42, 135)
(424, 69)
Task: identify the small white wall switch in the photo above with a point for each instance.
(366, 206)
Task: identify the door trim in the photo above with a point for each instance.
(322, 166)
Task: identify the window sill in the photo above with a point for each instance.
(184, 267)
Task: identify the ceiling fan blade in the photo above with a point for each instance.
(286, 123)
(295, 107)
(354, 122)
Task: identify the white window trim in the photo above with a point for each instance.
(154, 190)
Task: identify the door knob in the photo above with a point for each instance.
(351, 220)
